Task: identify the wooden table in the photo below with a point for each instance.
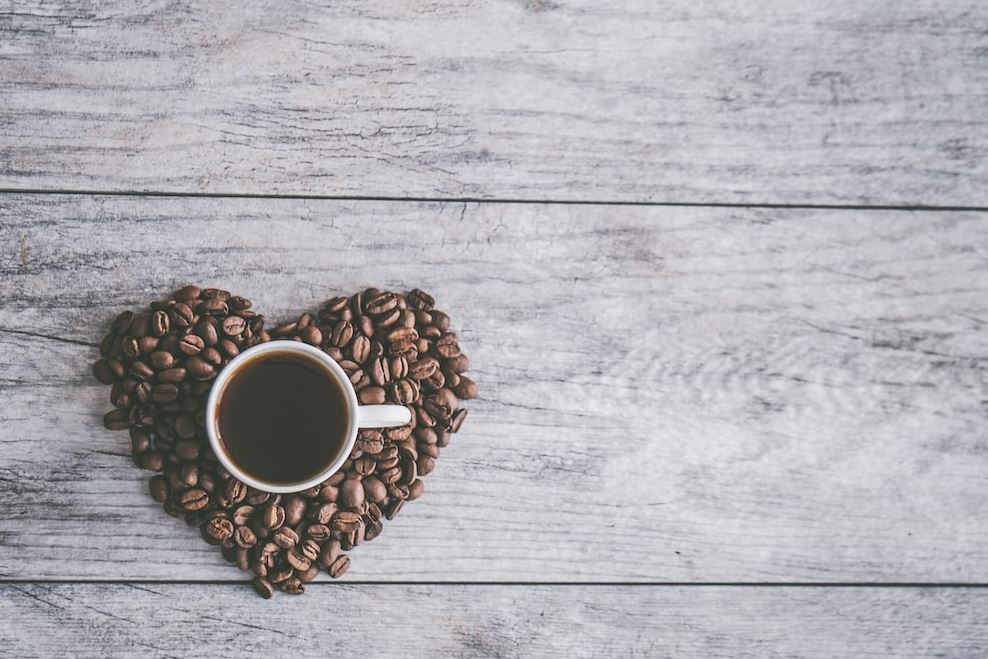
(721, 269)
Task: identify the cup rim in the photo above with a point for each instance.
(231, 369)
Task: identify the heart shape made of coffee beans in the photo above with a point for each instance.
(395, 348)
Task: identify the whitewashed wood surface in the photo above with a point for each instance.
(667, 394)
(838, 102)
(481, 622)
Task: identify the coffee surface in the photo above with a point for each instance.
(283, 417)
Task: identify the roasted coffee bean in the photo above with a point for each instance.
(459, 364)
(141, 371)
(122, 322)
(194, 499)
(370, 441)
(360, 349)
(329, 552)
(431, 450)
(322, 513)
(407, 349)
(164, 392)
(311, 335)
(298, 562)
(342, 334)
(189, 474)
(373, 530)
(292, 586)
(187, 293)
(339, 566)
(285, 537)
(181, 315)
(185, 426)
(263, 587)
(229, 348)
(244, 537)
(442, 438)
(187, 449)
(234, 326)
(404, 391)
(274, 516)
(116, 420)
(328, 493)
(213, 307)
(172, 375)
(211, 356)
(424, 465)
(104, 373)
(399, 433)
(423, 368)
(280, 574)
(419, 299)
(235, 491)
(372, 396)
(398, 367)
(220, 529)
(191, 344)
(243, 514)
(380, 303)
(161, 360)
(452, 378)
(374, 489)
(160, 323)
(364, 465)
(207, 331)
(415, 489)
(130, 348)
(392, 511)
(294, 510)
(351, 494)
(310, 549)
(344, 522)
(319, 532)
(198, 368)
(457, 421)
(159, 488)
(434, 382)
(152, 461)
(379, 373)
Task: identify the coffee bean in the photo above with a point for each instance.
(458, 364)
(211, 356)
(159, 488)
(339, 566)
(182, 315)
(344, 522)
(380, 303)
(311, 335)
(351, 494)
(194, 499)
(122, 322)
(292, 586)
(244, 537)
(372, 396)
(220, 529)
(172, 375)
(373, 530)
(187, 449)
(141, 371)
(235, 491)
(364, 465)
(415, 489)
(419, 299)
(319, 532)
(298, 562)
(262, 587)
(234, 326)
(273, 516)
(104, 373)
(370, 441)
(161, 360)
(191, 344)
(116, 420)
(342, 334)
(360, 349)
(392, 511)
(322, 513)
(423, 368)
(404, 391)
(198, 368)
(457, 420)
(130, 348)
(160, 323)
(213, 307)
(374, 489)
(285, 537)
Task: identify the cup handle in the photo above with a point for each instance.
(382, 416)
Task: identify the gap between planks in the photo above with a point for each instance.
(481, 200)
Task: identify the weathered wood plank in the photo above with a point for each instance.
(48, 620)
(796, 102)
(688, 394)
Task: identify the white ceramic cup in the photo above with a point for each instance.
(358, 416)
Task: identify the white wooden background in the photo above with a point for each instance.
(734, 399)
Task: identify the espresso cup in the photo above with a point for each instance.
(283, 416)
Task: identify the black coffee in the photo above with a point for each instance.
(283, 417)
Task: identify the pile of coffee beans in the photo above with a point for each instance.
(395, 348)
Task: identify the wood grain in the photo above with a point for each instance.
(842, 102)
(684, 394)
(491, 621)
